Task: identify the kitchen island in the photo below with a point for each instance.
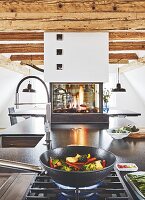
(126, 150)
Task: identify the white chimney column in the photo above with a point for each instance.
(76, 57)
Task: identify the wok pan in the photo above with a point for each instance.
(74, 178)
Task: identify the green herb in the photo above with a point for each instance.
(106, 95)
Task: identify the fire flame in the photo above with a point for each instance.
(81, 95)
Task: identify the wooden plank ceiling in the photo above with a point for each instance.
(25, 22)
(72, 15)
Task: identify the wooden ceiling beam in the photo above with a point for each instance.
(76, 15)
(127, 35)
(26, 57)
(121, 46)
(125, 56)
(21, 36)
(118, 61)
(84, 22)
(41, 62)
(22, 48)
(39, 59)
(39, 36)
(112, 56)
(72, 6)
(34, 62)
(39, 47)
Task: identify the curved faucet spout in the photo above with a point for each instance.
(28, 77)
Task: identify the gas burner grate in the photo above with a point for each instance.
(112, 187)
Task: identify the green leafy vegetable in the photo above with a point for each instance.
(125, 129)
(139, 182)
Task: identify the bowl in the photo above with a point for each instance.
(117, 135)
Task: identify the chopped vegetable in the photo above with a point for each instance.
(126, 166)
(93, 166)
(78, 163)
(104, 163)
(83, 158)
(54, 161)
(125, 129)
(51, 165)
(89, 155)
(98, 165)
(132, 128)
(72, 159)
(66, 168)
(73, 165)
(139, 182)
(90, 160)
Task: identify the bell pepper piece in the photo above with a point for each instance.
(73, 165)
(90, 160)
(104, 163)
(51, 165)
(79, 163)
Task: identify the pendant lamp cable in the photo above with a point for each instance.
(118, 74)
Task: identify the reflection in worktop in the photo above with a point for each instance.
(75, 136)
(124, 147)
(81, 136)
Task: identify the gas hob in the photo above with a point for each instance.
(112, 187)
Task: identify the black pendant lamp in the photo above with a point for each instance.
(29, 88)
(118, 86)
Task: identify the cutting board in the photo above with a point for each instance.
(138, 135)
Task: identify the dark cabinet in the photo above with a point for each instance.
(20, 141)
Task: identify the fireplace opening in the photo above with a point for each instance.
(76, 98)
(78, 103)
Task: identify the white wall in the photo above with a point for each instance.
(134, 97)
(8, 83)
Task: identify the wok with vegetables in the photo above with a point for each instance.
(78, 163)
(78, 166)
